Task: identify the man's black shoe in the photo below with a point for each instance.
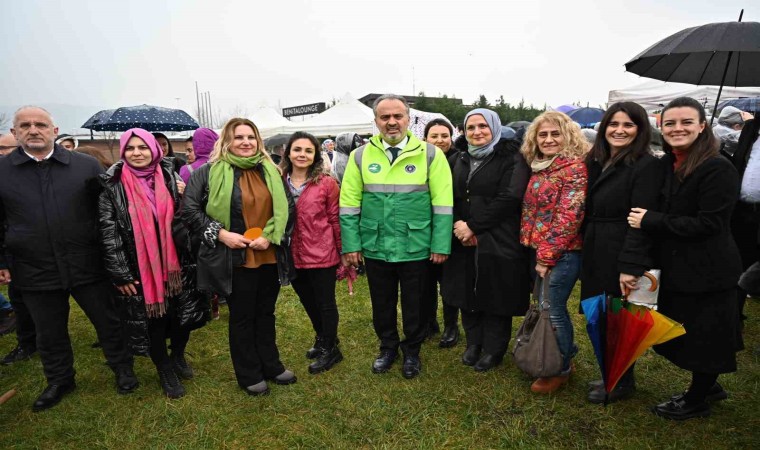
(450, 337)
(126, 381)
(412, 367)
(384, 361)
(471, 355)
(52, 394)
(16, 355)
(487, 362)
(620, 392)
(680, 410)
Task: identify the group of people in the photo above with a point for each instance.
(483, 222)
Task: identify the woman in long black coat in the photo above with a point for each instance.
(699, 260)
(622, 174)
(486, 275)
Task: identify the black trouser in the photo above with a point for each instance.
(745, 222)
(253, 345)
(316, 290)
(50, 312)
(26, 333)
(384, 279)
(450, 313)
(488, 330)
(161, 328)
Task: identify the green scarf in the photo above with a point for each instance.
(220, 181)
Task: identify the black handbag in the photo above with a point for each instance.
(536, 351)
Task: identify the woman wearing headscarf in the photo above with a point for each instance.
(203, 144)
(486, 275)
(328, 146)
(552, 214)
(622, 174)
(239, 207)
(345, 143)
(138, 207)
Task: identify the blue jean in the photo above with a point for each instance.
(5, 305)
(562, 279)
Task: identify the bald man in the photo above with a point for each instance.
(49, 247)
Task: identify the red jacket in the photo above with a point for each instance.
(553, 209)
(315, 243)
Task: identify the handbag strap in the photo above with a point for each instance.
(541, 291)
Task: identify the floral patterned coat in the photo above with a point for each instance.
(553, 208)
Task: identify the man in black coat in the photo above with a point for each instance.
(49, 246)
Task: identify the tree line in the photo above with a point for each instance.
(455, 111)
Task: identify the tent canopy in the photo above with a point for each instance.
(654, 95)
(348, 115)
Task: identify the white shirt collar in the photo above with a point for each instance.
(400, 145)
(37, 159)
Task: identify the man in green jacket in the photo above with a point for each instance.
(396, 206)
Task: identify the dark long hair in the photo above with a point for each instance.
(601, 150)
(317, 168)
(703, 148)
(171, 150)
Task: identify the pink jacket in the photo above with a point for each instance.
(315, 243)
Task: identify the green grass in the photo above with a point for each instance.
(448, 406)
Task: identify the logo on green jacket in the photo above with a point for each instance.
(410, 168)
(374, 168)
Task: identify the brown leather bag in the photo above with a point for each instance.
(536, 351)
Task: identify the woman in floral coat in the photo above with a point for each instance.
(552, 214)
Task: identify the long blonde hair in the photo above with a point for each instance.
(222, 145)
(575, 145)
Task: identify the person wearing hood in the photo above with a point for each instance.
(203, 144)
(729, 128)
(487, 274)
(552, 214)
(68, 142)
(328, 148)
(138, 209)
(345, 143)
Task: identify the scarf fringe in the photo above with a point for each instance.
(155, 309)
(173, 285)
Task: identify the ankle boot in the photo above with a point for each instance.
(181, 367)
(314, 351)
(170, 383)
(329, 356)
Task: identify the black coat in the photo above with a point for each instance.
(696, 251)
(493, 276)
(744, 147)
(610, 246)
(120, 259)
(48, 217)
(216, 260)
(745, 222)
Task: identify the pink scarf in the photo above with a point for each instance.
(151, 204)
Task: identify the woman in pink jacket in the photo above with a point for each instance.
(315, 244)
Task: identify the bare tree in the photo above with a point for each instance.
(236, 111)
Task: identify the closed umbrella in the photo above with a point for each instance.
(151, 118)
(725, 53)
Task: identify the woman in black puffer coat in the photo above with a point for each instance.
(143, 244)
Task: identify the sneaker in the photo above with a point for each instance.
(16, 355)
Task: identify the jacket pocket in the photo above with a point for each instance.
(368, 231)
(418, 233)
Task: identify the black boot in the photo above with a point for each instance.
(181, 367)
(314, 351)
(170, 383)
(329, 356)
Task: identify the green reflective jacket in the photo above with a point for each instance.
(397, 212)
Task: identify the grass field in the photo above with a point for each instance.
(448, 406)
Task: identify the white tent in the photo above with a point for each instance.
(269, 122)
(654, 94)
(348, 115)
(417, 122)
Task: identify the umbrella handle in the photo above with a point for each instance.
(652, 288)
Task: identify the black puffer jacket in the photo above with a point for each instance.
(216, 260)
(120, 259)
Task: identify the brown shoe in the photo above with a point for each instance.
(547, 385)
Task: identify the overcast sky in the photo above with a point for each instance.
(105, 54)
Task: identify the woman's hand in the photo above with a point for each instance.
(233, 240)
(260, 243)
(462, 231)
(628, 282)
(542, 270)
(129, 288)
(180, 186)
(636, 216)
(353, 258)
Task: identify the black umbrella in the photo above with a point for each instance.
(519, 124)
(151, 118)
(277, 139)
(726, 53)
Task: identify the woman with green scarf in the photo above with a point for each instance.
(240, 210)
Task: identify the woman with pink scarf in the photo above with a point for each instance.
(137, 208)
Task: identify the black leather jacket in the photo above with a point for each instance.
(216, 260)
